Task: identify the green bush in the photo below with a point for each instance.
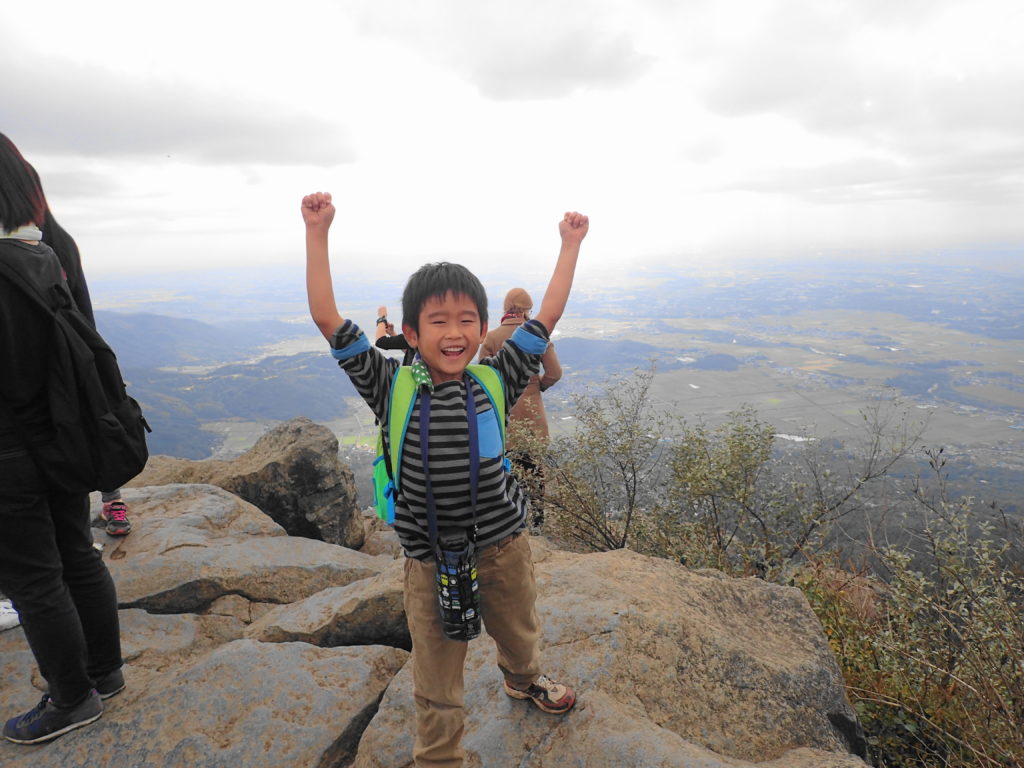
(930, 638)
(598, 481)
(936, 670)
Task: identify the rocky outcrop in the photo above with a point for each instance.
(364, 612)
(261, 649)
(380, 538)
(666, 661)
(292, 473)
(194, 544)
(250, 704)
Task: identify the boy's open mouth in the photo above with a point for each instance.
(452, 352)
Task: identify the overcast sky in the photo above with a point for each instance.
(184, 134)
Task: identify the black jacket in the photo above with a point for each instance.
(24, 337)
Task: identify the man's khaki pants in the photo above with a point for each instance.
(508, 593)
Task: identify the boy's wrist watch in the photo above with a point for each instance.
(382, 319)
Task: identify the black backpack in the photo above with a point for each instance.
(99, 431)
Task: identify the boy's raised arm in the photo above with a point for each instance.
(318, 213)
(572, 228)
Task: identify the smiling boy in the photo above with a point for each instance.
(445, 317)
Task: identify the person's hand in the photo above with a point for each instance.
(318, 210)
(382, 311)
(389, 328)
(573, 227)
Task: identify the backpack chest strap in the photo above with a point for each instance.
(402, 400)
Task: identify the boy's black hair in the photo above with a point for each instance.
(21, 197)
(436, 280)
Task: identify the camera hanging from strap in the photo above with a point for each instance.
(455, 555)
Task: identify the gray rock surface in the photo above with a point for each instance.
(194, 544)
(17, 667)
(600, 733)
(262, 649)
(292, 473)
(379, 537)
(258, 705)
(364, 612)
(733, 667)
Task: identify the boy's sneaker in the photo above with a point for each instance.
(110, 684)
(115, 513)
(48, 721)
(554, 698)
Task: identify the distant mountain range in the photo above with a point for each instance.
(177, 404)
(147, 340)
(806, 345)
(971, 298)
(278, 388)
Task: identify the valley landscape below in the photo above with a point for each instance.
(809, 348)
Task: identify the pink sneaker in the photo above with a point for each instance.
(116, 515)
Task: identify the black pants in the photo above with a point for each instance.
(57, 581)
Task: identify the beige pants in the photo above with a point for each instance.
(508, 593)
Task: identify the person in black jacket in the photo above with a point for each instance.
(386, 338)
(115, 510)
(57, 581)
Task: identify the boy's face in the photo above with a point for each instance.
(449, 337)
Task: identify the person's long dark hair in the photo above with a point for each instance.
(21, 197)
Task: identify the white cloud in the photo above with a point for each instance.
(535, 49)
(924, 96)
(187, 133)
(84, 109)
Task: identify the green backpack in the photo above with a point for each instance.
(401, 398)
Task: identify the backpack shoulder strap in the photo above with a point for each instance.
(26, 286)
(492, 383)
(401, 397)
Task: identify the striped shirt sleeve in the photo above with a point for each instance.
(519, 358)
(370, 370)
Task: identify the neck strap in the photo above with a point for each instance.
(474, 458)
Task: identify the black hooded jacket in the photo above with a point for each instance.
(24, 337)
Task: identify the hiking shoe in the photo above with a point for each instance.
(554, 698)
(116, 515)
(110, 684)
(48, 721)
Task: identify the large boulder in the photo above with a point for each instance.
(363, 613)
(600, 732)
(193, 544)
(152, 646)
(163, 642)
(234, 662)
(292, 473)
(259, 705)
(660, 655)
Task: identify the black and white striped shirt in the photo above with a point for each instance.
(501, 503)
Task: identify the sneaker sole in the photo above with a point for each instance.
(118, 532)
(104, 695)
(55, 734)
(108, 694)
(522, 695)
